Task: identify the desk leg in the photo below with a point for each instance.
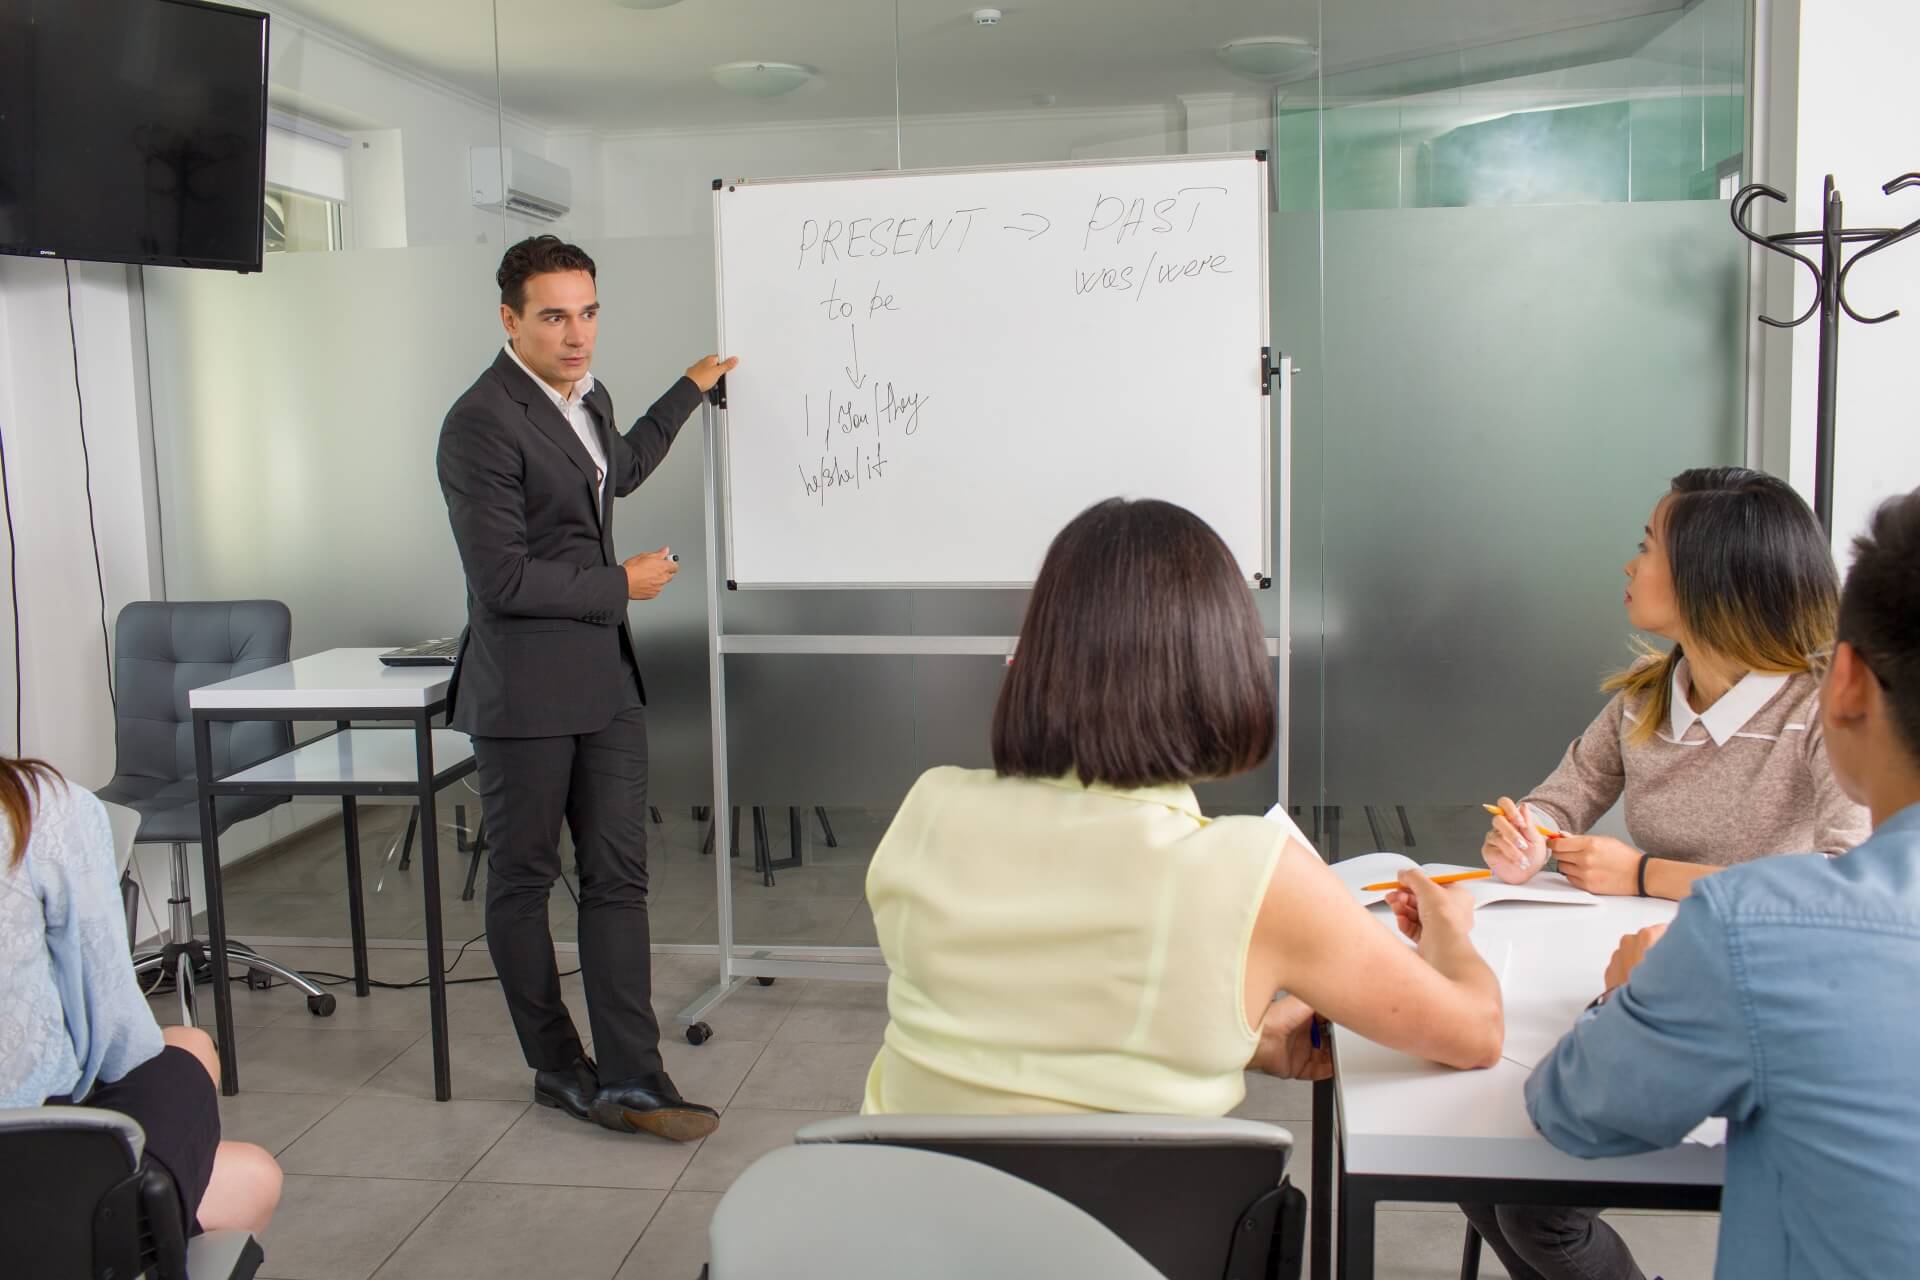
(216, 908)
(1356, 1214)
(1320, 1221)
(356, 897)
(430, 879)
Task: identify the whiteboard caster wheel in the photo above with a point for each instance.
(699, 1033)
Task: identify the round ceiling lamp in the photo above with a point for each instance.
(1270, 57)
(646, 4)
(761, 79)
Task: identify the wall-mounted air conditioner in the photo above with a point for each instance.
(514, 181)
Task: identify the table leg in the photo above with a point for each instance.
(356, 897)
(1355, 1214)
(1320, 1221)
(430, 880)
(216, 907)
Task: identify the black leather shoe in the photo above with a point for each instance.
(571, 1089)
(653, 1106)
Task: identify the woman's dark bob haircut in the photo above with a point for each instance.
(1141, 660)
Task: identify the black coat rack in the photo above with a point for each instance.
(1830, 299)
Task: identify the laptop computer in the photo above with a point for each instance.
(428, 653)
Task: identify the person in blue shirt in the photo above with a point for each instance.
(1782, 995)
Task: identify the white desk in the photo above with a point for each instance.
(338, 679)
(342, 685)
(1412, 1130)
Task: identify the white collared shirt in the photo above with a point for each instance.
(1730, 714)
(574, 409)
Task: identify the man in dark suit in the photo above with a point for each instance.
(548, 686)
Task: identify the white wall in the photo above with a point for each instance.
(67, 715)
(429, 124)
(1859, 119)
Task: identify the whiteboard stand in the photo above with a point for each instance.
(864, 964)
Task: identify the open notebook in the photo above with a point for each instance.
(1378, 868)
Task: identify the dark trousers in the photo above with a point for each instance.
(597, 784)
(1546, 1242)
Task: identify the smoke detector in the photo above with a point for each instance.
(986, 17)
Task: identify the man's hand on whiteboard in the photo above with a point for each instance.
(648, 574)
(706, 374)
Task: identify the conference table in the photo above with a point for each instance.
(1391, 1127)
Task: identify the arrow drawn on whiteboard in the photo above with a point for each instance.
(1046, 223)
(857, 378)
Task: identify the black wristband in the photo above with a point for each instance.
(1640, 879)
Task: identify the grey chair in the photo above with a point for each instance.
(880, 1213)
(1199, 1198)
(78, 1199)
(162, 650)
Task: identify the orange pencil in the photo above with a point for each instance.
(1550, 834)
(1395, 884)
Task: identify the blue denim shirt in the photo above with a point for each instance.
(1785, 997)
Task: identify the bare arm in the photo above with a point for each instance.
(1439, 1001)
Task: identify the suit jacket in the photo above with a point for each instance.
(546, 646)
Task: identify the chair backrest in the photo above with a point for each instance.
(165, 648)
(860, 1212)
(75, 1199)
(1200, 1198)
(125, 824)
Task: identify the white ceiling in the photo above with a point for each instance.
(591, 63)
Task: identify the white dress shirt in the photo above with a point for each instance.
(574, 409)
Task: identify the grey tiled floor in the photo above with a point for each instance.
(383, 1181)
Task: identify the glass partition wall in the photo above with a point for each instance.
(1500, 267)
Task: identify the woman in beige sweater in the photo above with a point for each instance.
(1715, 745)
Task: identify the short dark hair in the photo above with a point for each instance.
(1880, 610)
(1141, 659)
(536, 256)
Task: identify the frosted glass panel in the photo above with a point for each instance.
(1509, 390)
(296, 415)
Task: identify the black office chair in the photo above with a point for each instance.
(1199, 1198)
(162, 650)
(78, 1199)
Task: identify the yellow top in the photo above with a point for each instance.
(1062, 948)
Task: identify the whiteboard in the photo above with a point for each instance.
(938, 370)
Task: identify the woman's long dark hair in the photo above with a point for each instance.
(1753, 578)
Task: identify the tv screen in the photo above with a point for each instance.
(133, 131)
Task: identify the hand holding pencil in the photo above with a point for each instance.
(1516, 845)
(1422, 907)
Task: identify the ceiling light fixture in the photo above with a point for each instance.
(761, 79)
(1270, 57)
(646, 4)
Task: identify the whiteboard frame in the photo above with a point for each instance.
(721, 186)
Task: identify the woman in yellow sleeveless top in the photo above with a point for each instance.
(1068, 932)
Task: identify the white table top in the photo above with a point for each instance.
(358, 755)
(1402, 1115)
(332, 680)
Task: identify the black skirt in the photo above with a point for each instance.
(172, 1098)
